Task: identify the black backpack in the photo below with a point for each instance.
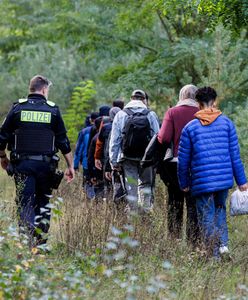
(136, 134)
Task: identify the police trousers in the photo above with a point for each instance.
(33, 181)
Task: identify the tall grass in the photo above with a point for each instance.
(93, 256)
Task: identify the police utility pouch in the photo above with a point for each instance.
(54, 163)
(239, 203)
(56, 179)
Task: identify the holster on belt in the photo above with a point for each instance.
(57, 175)
(10, 169)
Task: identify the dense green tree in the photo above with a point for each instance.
(80, 103)
(121, 45)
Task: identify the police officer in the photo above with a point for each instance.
(34, 131)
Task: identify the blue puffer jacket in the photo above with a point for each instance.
(209, 157)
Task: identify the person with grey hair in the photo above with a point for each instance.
(187, 95)
(174, 121)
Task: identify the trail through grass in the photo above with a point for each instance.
(98, 253)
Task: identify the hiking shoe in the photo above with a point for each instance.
(223, 250)
(225, 253)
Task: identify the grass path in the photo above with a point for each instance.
(162, 269)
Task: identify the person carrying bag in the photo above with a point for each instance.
(239, 203)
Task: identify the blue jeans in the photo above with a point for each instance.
(87, 185)
(211, 211)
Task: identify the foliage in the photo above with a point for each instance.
(232, 13)
(239, 115)
(94, 51)
(60, 65)
(26, 275)
(108, 259)
(122, 45)
(80, 104)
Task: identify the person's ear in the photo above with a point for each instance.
(45, 91)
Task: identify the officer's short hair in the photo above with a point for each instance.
(38, 82)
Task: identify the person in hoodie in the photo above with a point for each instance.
(81, 154)
(174, 120)
(110, 177)
(118, 103)
(103, 137)
(139, 180)
(104, 114)
(208, 159)
(95, 175)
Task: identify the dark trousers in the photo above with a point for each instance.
(32, 179)
(175, 205)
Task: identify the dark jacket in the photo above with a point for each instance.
(36, 117)
(81, 152)
(93, 171)
(100, 141)
(103, 137)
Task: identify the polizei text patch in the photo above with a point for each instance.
(35, 116)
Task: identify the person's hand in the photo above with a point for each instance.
(108, 175)
(117, 168)
(243, 187)
(69, 174)
(4, 162)
(93, 180)
(186, 190)
(98, 164)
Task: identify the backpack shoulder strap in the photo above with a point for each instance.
(146, 111)
(128, 111)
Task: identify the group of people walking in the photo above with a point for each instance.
(112, 150)
(205, 160)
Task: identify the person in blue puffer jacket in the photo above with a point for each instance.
(208, 159)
